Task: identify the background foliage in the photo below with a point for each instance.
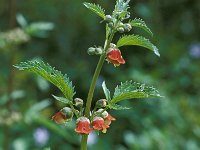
(26, 104)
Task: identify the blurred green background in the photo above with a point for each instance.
(59, 32)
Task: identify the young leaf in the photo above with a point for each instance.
(137, 40)
(106, 91)
(117, 107)
(62, 99)
(130, 90)
(50, 74)
(141, 24)
(96, 9)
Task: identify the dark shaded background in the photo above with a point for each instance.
(171, 123)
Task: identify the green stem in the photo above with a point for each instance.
(84, 142)
(93, 85)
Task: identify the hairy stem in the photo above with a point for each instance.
(93, 85)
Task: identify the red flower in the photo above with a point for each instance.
(108, 119)
(114, 56)
(59, 118)
(99, 124)
(83, 126)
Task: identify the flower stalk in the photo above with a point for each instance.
(93, 85)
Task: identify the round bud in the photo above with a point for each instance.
(120, 24)
(120, 30)
(101, 103)
(98, 51)
(111, 25)
(112, 45)
(91, 51)
(78, 102)
(127, 27)
(67, 112)
(108, 18)
(99, 113)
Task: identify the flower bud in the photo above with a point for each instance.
(78, 102)
(91, 51)
(83, 126)
(120, 24)
(112, 45)
(102, 113)
(108, 18)
(111, 25)
(98, 51)
(120, 30)
(67, 112)
(127, 27)
(101, 103)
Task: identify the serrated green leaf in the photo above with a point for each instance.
(117, 107)
(141, 24)
(62, 99)
(106, 91)
(95, 8)
(50, 74)
(137, 40)
(130, 90)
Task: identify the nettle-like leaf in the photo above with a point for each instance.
(96, 9)
(131, 90)
(140, 24)
(137, 40)
(62, 99)
(117, 107)
(50, 74)
(106, 91)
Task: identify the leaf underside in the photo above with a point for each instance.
(62, 99)
(95, 8)
(137, 40)
(50, 74)
(106, 91)
(140, 24)
(131, 90)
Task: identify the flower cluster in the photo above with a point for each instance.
(99, 120)
(99, 123)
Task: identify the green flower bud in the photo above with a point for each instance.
(127, 27)
(98, 51)
(120, 30)
(67, 112)
(112, 45)
(101, 103)
(120, 24)
(108, 18)
(78, 102)
(91, 51)
(100, 114)
(111, 25)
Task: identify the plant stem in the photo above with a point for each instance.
(93, 85)
(84, 142)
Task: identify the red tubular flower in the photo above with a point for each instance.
(114, 56)
(83, 126)
(99, 124)
(108, 119)
(59, 118)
